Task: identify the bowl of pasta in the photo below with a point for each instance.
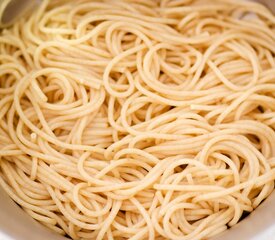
(138, 119)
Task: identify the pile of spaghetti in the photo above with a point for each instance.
(138, 119)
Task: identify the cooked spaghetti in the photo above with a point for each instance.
(138, 119)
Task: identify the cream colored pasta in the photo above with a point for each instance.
(138, 119)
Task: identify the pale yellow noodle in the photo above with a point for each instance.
(149, 119)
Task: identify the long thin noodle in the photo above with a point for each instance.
(149, 119)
